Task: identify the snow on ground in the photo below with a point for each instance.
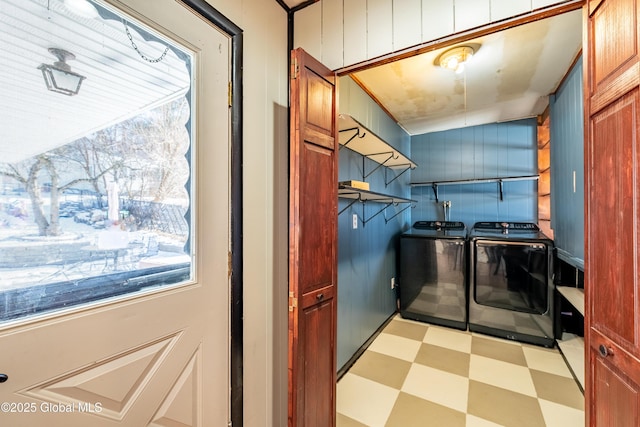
(16, 227)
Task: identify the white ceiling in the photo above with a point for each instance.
(509, 78)
(118, 85)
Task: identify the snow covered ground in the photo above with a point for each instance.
(144, 249)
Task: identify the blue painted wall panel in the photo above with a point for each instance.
(567, 158)
(478, 152)
(367, 255)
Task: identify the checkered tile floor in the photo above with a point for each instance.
(415, 374)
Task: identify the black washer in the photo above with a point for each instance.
(433, 273)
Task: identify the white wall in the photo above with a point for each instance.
(265, 207)
(345, 32)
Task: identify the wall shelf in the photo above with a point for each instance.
(575, 297)
(358, 138)
(500, 180)
(570, 344)
(363, 196)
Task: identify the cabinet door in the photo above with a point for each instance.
(613, 213)
(313, 215)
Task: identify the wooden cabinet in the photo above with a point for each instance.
(612, 252)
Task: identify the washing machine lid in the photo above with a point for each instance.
(450, 229)
(507, 230)
(439, 225)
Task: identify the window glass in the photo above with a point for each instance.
(95, 145)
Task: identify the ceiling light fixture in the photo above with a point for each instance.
(454, 59)
(59, 77)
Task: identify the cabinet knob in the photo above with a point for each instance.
(3, 377)
(320, 297)
(604, 351)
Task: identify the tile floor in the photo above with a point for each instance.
(415, 374)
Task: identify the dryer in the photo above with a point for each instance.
(510, 282)
(433, 273)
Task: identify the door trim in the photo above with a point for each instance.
(209, 13)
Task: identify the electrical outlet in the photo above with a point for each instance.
(355, 221)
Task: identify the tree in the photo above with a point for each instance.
(147, 152)
(96, 155)
(29, 173)
(162, 136)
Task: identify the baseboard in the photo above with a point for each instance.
(364, 347)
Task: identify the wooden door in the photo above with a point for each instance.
(313, 214)
(158, 356)
(612, 168)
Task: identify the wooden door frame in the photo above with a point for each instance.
(235, 33)
(452, 39)
(462, 36)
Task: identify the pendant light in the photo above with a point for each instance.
(58, 76)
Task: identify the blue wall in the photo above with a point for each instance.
(567, 155)
(478, 152)
(367, 255)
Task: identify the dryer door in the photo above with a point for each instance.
(511, 275)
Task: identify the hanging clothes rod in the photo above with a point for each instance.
(500, 180)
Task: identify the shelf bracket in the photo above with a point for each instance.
(386, 183)
(365, 221)
(392, 155)
(411, 206)
(356, 134)
(434, 187)
(349, 205)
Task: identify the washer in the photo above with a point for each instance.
(510, 282)
(433, 273)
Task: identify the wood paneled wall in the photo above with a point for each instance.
(367, 255)
(477, 152)
(264, 215)
(544, 173)
(345, 32)
(567, 167)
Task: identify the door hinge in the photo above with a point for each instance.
(229, 264)
(230, 94)
(293, 302)
(295, 69)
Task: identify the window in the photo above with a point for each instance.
(95, 196)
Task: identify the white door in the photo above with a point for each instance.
(159, 355)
